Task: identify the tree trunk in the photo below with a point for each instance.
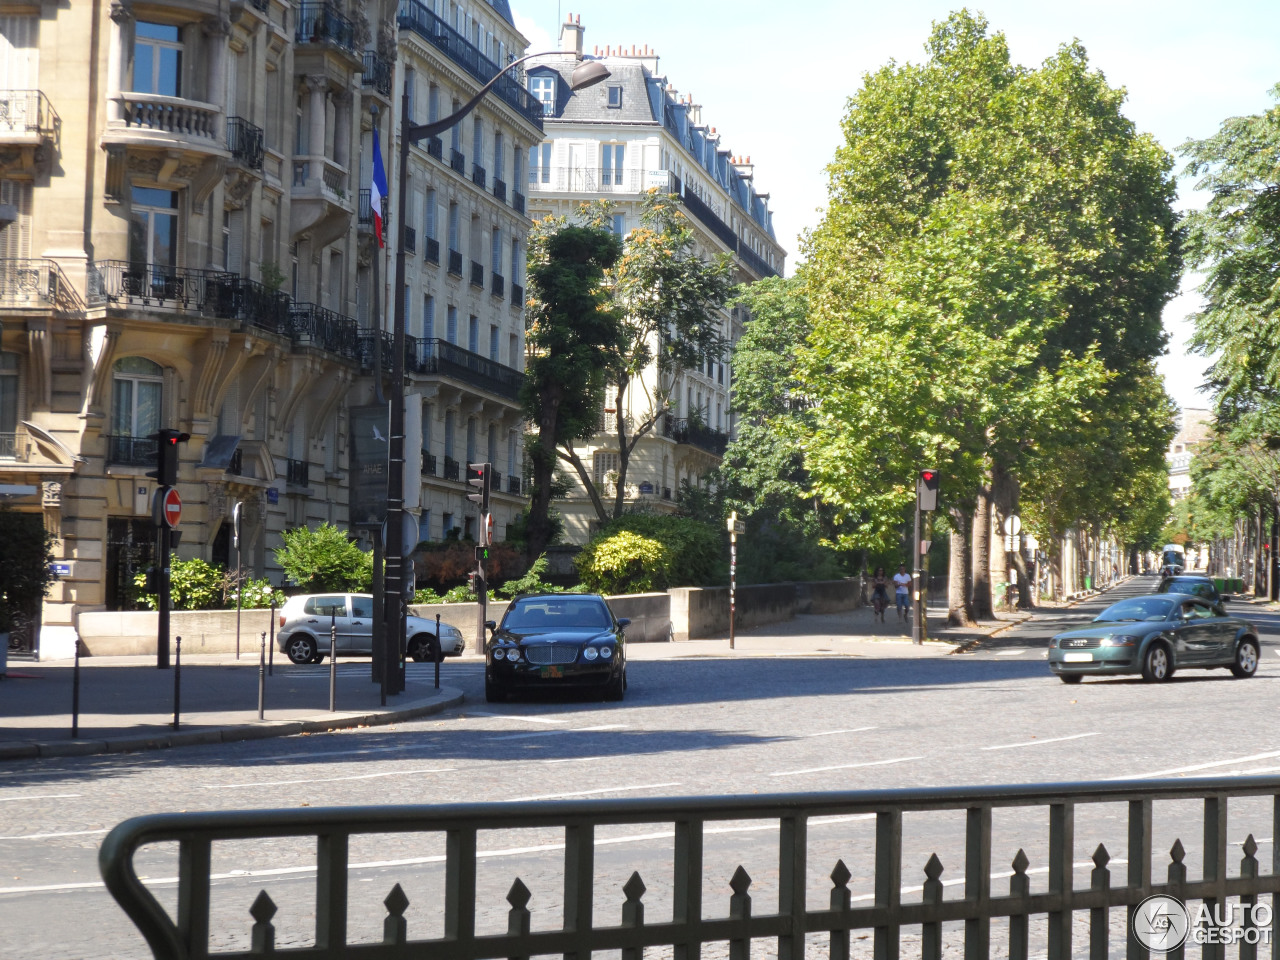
(1260, 558)
(571, 456)
(960, 573)
(542, 457)
(982, 609)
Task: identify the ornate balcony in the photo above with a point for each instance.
(517, 201)
(441, 358)
(168, 124)
(376, 74)
(478, 175)
(30, 130)
(499, 190)
(497, 285)
(451, 468)
(428, 464)
(410, 240)
(754, 262)
(513, 485)
(326, 329)
(432, 251)
(477, 274)
(323, 202)
(695, 434)
(244, 140)
(30, 285)
(455, 262)
(458, 161)
(323, 23)
(435, 148)
(517, 295)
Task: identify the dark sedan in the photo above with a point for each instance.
(1194, 586)
(1154, 636)
(548, 640)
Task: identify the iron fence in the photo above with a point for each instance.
(442, 358)
(883, 910)
(324, 23)
(428, 464)
(432, 251)
(28, 112)
(513, 485)
(244, 140)
(755, 262)
(455, 262)
(499, 189)
(435, 148)
(686, 430)
(458, 161)
(479, 175)
(517, 295)
(497, 285)
(452, 468)
(410, 240)
(327, 329)
(26, 282)
(12, 446)
(228, 296)
(517, 201)
(376, 73)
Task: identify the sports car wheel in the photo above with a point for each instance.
(1246, 662)
(1157, 666)
(302, 649)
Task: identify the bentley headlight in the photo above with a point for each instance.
(606, 653)
(590, 653)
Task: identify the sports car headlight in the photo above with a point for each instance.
(606, 653)
(1119, 641)
(590, 653)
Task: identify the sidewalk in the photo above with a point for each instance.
(127, 704)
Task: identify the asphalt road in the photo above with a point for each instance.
(687, 727)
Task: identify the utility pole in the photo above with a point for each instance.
(480, 476)
(926, 502)
(166, 511)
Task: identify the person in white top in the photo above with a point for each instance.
(902, 593)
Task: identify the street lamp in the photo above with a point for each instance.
(585, 74)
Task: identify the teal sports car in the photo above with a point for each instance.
(1154, 636)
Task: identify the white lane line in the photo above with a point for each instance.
(1012, 653)
(557, 733)
(1036, 743)
(511, 716)
(588, 793)
(824, 733)
(1199, 766)
(1276, 652)
(42, 796)
(843, 766)
(46, 836)
(289, 783)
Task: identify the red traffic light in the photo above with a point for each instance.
(927, 476)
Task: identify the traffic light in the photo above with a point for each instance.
(480, 476)
(927, 490)
(166, 471)
(482, 554)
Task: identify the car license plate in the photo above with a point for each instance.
(1077, 658)
(554, 673)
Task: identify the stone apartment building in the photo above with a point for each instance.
(189, 244)
(616, 141)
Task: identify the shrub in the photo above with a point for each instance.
(197, 585)
(24, 565)
(324, 559)
(642, 552)
(532, 581)
(447, 564)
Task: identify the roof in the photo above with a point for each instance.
(1194, 426)
(592, 104)
(503, 9)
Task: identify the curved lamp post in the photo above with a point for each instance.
(586, 74)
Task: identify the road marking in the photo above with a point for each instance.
(509, 716)
(1012, 653)
(585, 793)
(844, 766)
(46, 836)
(556, 733)
(362, 776)
(42, 796)
(824, 733)
(1201, 766)
(1036, 743)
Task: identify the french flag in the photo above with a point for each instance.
(379, 191)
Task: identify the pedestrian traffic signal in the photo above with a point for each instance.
(480, 476)
(482, 554)
(166, 471)
(927, 490)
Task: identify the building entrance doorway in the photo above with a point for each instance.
(131, 549)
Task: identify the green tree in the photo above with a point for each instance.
(25, 572)
(641, 552)
(570, 326)
(324, 559)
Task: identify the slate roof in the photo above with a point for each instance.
(503, 9)
(592, 105)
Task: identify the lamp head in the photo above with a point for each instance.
(587, 74)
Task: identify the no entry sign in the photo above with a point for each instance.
(171, 508)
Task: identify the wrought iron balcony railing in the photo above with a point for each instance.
(455, 262)
(452, 469)
(684, 430)
(298, 473)
(324, 328)
(367, 344)
(477, 274)
(131, 451)
(432, 250)
(497, 285)
(517, 295)
(415, 15)
(458, 161)
(882, 898)
(435, 148)
(513, 485)
(442, 358)
(497, 481)
(428, 464)
(499, 190)
(376, 73)
(702, 212)
(324, 23)
(244, 140)
(755, 262)
(27, 113)
(478, 175)
(33, 284)
(517, 201)
(227, 296)
(13, 447)
(410, 240)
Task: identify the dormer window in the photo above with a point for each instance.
(615, 97)
(543, 88)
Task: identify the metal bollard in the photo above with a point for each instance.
(262, 674)
(439, 653)
(75, 696)
(271, 647)
(177, 682)
(333, 666)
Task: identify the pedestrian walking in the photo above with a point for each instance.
(902, 590)
(879, 594)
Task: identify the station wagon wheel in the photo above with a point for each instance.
(1157, 666)
(1245, 663)
(420, 649)
(302, 649)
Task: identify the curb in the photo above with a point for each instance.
(266, 730)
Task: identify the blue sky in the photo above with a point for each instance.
(774, 77)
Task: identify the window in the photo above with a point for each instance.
(8, 402)
(137, 385)
(543, 88)
(492, 448)
(471, 440)
(429, 317)
(448, 442)
(517, 167)
(499, 155)
(433, 103)
(540, 163)
(429, 216)
(495, 250)
(515, 259)
(157, 59)
(620, 224)
(473, 334)
(615, 97)
(612, 157)
(511, 453)
(426, 427)
(325, 606)
(451, 325)
(477, 142)
(424, 526)
(493, 342)
(153, 227)
(455, 132)
(513, 351)
(603, 464)
(446, 525)
(453, 227)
